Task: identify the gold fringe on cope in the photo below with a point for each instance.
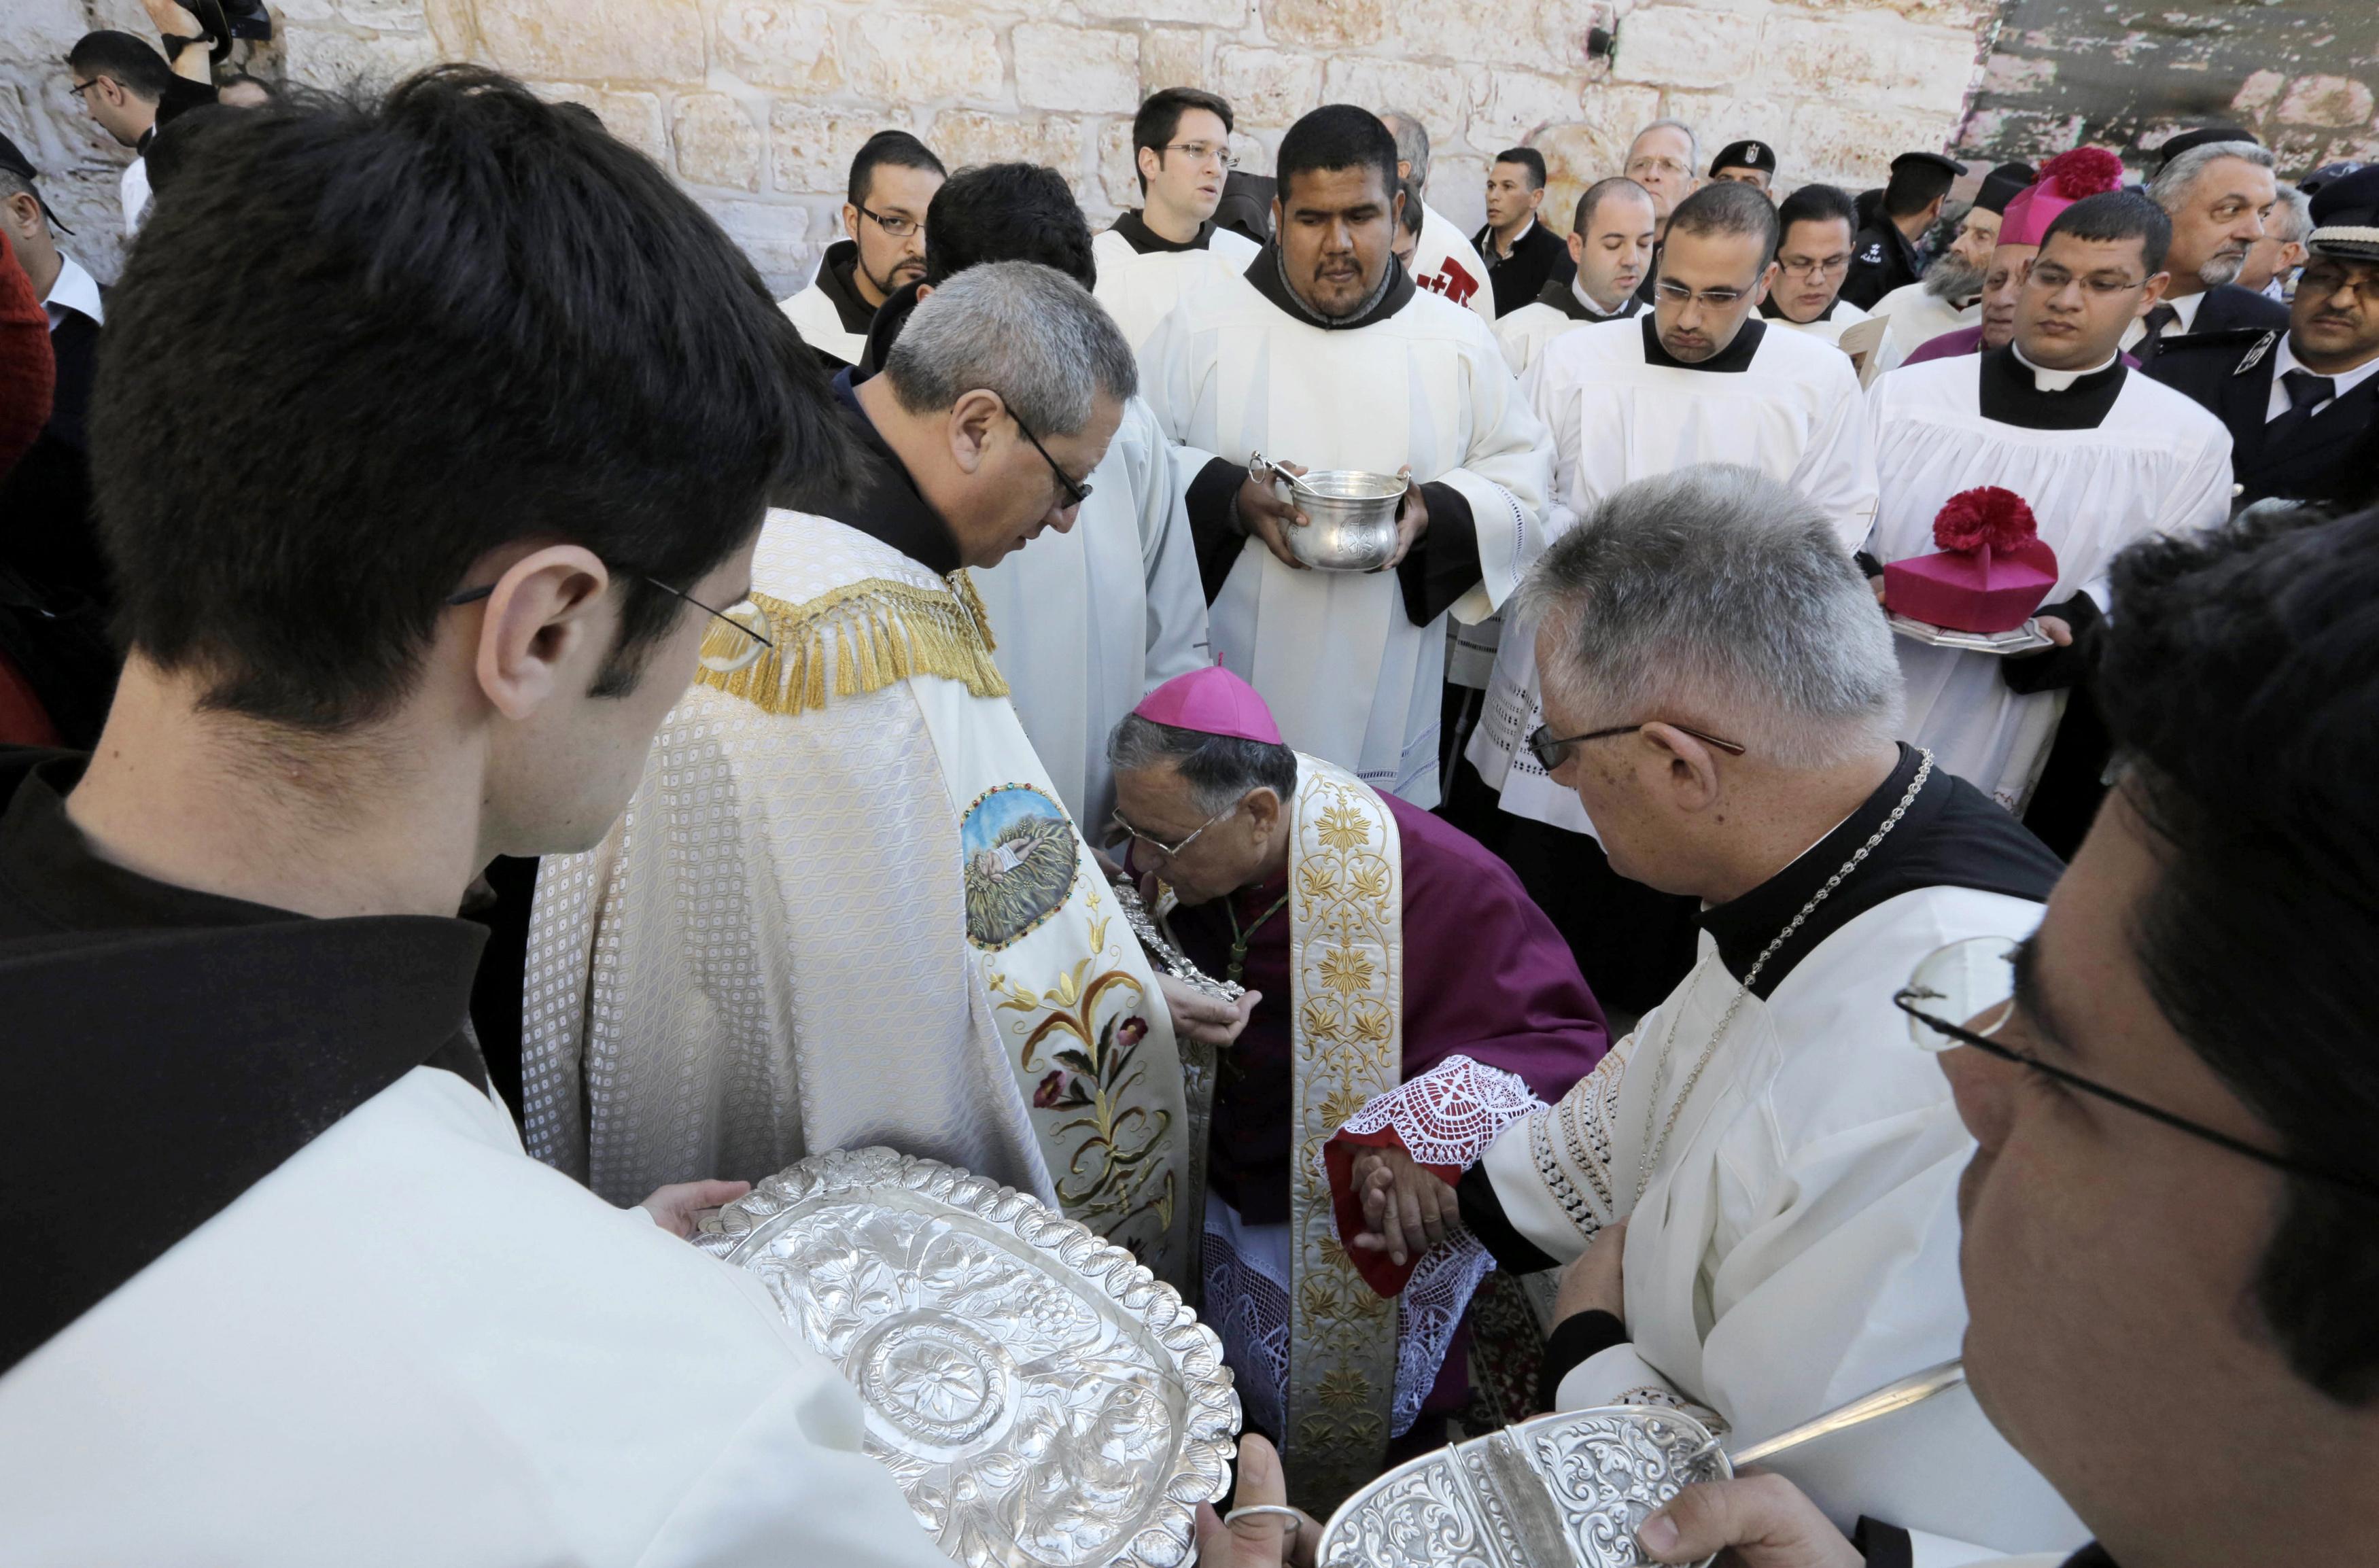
(870, 633)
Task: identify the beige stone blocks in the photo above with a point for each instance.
(1686, 46)
(718, 142)
(901, 57)
(1082, 70)
(1267, 87)
(810, 149)
(648, 40)
(778, 44)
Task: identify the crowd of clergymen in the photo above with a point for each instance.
(1769, 608)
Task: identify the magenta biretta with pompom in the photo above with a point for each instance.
(1992, 572)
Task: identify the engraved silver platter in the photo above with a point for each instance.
(1042, 1398)
(2024, 639)
(1560, 1492)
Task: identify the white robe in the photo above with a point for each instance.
(1087, 622)
(2159, 464)
(1840, 319)
(412, 1344)
(1796, 1245)
(1446, 263)
(1793, 413)
(821, 325)
(1349, 676)
(1141, 289)
(1916, 318)
(1523, 334)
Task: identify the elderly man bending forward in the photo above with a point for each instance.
(1721, 694)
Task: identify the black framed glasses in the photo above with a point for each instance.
(748, 620)
(1549, 748)
(896, 227)
(1074, 493)
(1975, 979)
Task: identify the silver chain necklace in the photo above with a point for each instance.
(1654, 1149)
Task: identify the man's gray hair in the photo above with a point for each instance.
(1220, 769)
(1693, 143)
(1026, 332)
(2291, 219)
(1412, 141)
(2173, 182)
(1717, 598)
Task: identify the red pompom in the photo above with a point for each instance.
(1987, 515)
(2085, 170)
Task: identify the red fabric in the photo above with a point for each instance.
(28, 374)
(23, 720)
(1987, 514)
(1377, 1270)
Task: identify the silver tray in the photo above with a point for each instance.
(1040, 1397)
(1560, 1492)
(2024, 639)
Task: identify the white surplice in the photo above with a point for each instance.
(1797, 1243)
(412, 1344)
(2157, 464)
(1827, 329)
(1445, 263)
(1793, 413)
(1348, 676)
(1140, 289)
(1916, 316)
(844, 908)
(1524, 331)
(1087, 622)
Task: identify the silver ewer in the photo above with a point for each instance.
(1350, 515)
(1043, 1400)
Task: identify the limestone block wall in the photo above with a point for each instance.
(757, 105)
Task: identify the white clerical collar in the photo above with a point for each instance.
(2343, 381)
(2049, 381)
(1588, 300)
(73, 289)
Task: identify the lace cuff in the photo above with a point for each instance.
(1445, 1119)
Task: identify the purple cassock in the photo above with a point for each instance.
(1486, 976)
(1966, 340)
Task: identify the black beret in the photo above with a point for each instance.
(1759, 155)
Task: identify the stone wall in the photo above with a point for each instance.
(757, 105)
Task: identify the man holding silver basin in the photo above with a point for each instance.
(1324, 352)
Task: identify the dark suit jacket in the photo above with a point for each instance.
(2228, 310)
(1521, 276)
(1882, 260)
(2319, 459)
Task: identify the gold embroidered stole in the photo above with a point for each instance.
(867, 636)
(1346, 1036)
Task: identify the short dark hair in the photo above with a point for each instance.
(1729, 207)
(1336, 136)
(133, 63)
(430, 359)
(1915, 184)
(896, 148)
(1590, 200)
(2240, 683)
(1219, 769)
(1007, 212)
(1160, 116)
(1816, 204)
(1413, 214)
(2117, 215)
(1528, 158)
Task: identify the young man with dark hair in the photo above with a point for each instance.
(1326, 354)
(129, 89)
(2171, 1210)
(2099, 455)
(1885, 255)
(1181, 141)
(336, 1315)
(1700, 378)
(1611, 248)
(1813, 256)
(1522, 254)
(2299, 402)
(893, 179)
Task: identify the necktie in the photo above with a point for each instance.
(2307, 392)
(2158, 319)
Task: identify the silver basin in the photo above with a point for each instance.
(1351, 518)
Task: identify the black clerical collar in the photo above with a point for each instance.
(885, 503)
(1954, 836)
(1562, 295)
(184, 1044)
(837, 280)
(1144, 240)
(2011, 394)
(1775, 312)
(884, 328)
(1734, 358)
(1396, 290)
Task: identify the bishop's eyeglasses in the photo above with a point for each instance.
(1976, 980)
(723, 655)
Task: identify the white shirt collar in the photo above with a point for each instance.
(73, 289)
(1579, 290)
(1515, 238)
(2049, 381)
(2346, 381)
(2184, 311)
